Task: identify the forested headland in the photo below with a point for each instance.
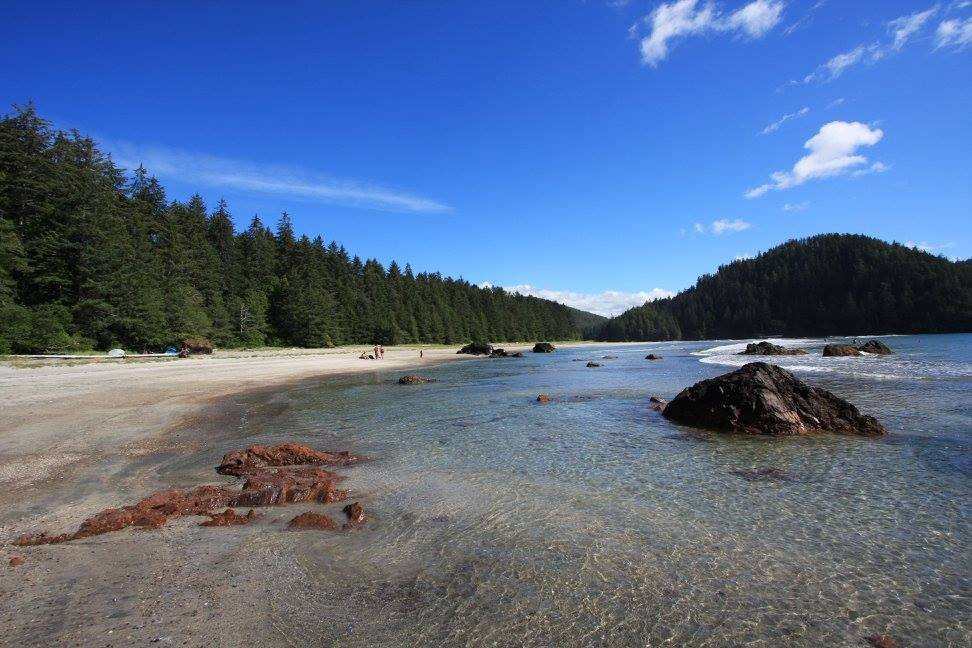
(91, 258)
(830, 284)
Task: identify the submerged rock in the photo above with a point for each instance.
(840, 350)
(875, 346)
(543, 347)
(239, 462)
(658, 403)
(609, 357)
(765, 348)
(652, 356)
(229, 517)
(356, 515)
(518, 354)
(760, 398)
(543, 398)
(476, 348)
(312, 520)
(287, 486)
(593, 364)
(415, 380)
(761, 474)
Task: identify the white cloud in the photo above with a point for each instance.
(925, 246)
(833, 151)
(836, 102)
(681, 18)
(796, 207)
(699, 227)
(837, 64)
(954, 33)
(726, 225)
(905, 27)
(607, 303)
(745, 256)
(203, 169)
(775, 126)
(876, 167)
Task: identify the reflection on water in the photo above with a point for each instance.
(496, 520)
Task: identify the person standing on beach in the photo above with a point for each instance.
(376, 353)
(421, 353)
(381, 350)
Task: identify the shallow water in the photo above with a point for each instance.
(592, 520)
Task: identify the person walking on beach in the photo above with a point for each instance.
(421, 353)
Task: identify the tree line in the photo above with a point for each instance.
(91, 258)
(830, 284)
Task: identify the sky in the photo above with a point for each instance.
(600, 153)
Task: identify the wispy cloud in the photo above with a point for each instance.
(839, 101)
(745, 256)
(671, 21)
(607, 303)
(214, 171)
(725, 225)
(796, 207)
(954, 33)
(775, 126)
(832, 151)
(925, 246)
(903, 28)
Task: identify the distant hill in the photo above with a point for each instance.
(829, 284)
(589, 324)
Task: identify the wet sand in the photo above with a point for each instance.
(75, 439)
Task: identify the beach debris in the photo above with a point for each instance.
(761, 398)
(652, 356)
(415, 380)
(229, 517)
(197, 345)
(312, 520)
(840, 350)
(476, 348)
(543, 398)
(272, 474)
(875, 346)
(239, 462)
(356, 515)
(765, 473)
(881, 641)
(16, 561)
(766, 348)
(592, 364)
(544, 347)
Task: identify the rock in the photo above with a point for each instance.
(543, 398)
(761, 474)
(16, 561)
(875, 346)
(655, 399)
(499, 353)
(543, 347)
(229, 517)
(476, 348)
(765, 348)
(760, 398)
(356, 515)
(415, 380)
(593, 364)
(652, 356)
(197, 345)
(311, 520)
(518, 354)
(881, 641)
(286, 486)
(238, 462)
(840, 350)
(659, 403)
(609, 357)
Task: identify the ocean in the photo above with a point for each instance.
(592, 520)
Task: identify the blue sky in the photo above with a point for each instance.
(597, 152)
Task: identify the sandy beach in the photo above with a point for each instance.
(78, 438)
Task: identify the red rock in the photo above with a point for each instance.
(543, 398)
(881, 641)
(229, 517)
(312, 520)
(16, 561)
(238, 462)
(286, 486)
(356, 515)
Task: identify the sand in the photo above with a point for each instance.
(77, 438)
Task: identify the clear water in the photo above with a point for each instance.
(495, 520)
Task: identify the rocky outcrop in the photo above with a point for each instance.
(289, 485)
(543, 398)
(229, 517)
(765, 348)
(239, 462)
(311, 520)
(592, 365)
(652, 356)
(832, 350)
(499, 353)
(518, 354)
(356, 515)
(760, 398)
(476, 348)
(881, 641)
(197, 345)
(544, 347)
(415, 380)
(658, 404)
(875, 346)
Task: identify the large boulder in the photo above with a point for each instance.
(840, 350)
(592, 365)
(543, 347)
(652, 356)
(766, 348)
(761, 398)
(875, 346)
(476, 348)
(197, 345)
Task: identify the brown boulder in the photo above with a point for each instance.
(415, 380)
(543, 398)
(285, 486)
(476, 348)
(238, 462)
(543, 347)
(760, 398)
(16, 561)
(311, 520)
(833, 350)
(875, 346)
(356, 515)
(765, 348)
(229, 517)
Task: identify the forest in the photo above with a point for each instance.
(92, 258)
(830, 284)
